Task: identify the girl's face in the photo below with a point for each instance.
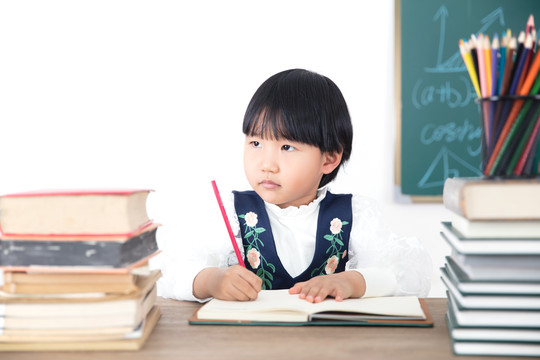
(284, 172)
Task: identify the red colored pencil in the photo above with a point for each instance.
(228, 225)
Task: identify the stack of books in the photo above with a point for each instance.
(493, 273)
(75, 272)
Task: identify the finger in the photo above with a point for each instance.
(243, 292)
(312, 292)
(296, 289)
(339, 295)
(323, 294)
(248, 288)
(253, 280)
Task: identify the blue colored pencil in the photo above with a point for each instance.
(502, 62)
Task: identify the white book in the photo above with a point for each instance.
(493, 318)
(494, 286)
(499, 267)
(496, 229)
(484, 301)
(487, 245)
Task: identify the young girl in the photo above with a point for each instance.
(295, 234)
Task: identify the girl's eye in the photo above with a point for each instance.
(255, 144)
(288, 148)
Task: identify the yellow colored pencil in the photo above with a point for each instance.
(468, 60)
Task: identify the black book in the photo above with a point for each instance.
(87, 252)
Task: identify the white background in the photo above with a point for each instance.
(152, 94)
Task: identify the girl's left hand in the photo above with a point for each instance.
(340, 286)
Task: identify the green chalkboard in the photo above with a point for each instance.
(439, 119)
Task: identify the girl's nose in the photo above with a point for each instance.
(270, 164)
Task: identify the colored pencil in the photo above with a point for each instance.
(487, 59)
(528, 60)
(525, 146)
(520, 65)
(502, 140)
(483, 86)
(494, 62)
(527, 141)
(530, 24)
(519, 51)
(517, 136)
(481, 65)
(228, 225)
(531, 76)
(468, 60)
(471, 44)
(502, 62)
(511, 51)
(532, 159)
(497, 123)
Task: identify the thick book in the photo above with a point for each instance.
(489, 334)
(130, 341)
(83, 269)
(496, 318)
(490, 301)
(90, 252)
(83, 212)
(19, 282)
(144, 284)
(466, 245)
(496, 229)
(479, 198)
(92, 316)
(63, 313)
(498, 267)
(278, 307)
(466, 285)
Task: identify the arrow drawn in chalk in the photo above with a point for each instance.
(455, 63)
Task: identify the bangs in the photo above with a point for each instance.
(271, 124)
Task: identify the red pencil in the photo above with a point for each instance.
(228, 225)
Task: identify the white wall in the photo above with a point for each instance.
(152, 94)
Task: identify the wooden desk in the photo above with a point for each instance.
(174, 338)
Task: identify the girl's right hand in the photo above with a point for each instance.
(232, 283)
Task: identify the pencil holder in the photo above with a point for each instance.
(510, 128)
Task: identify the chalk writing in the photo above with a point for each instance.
(451, 93)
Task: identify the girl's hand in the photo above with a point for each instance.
(233, 283)
(344, 285)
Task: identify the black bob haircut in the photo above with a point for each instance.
(302, 106)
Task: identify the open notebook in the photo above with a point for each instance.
(278, 307)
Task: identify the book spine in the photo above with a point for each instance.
(453, 198)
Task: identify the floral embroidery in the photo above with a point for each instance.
(335, 226)
(331, 264)
(254, 258)
(251, 219)
(334, 250)
(252, 250)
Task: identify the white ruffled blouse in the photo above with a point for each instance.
(391, 265)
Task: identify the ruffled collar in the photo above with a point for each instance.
(298, 210)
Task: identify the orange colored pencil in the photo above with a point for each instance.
(531, 75)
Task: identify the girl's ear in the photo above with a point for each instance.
(331, 161)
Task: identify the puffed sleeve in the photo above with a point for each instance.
(390, 264)
(179, 267)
